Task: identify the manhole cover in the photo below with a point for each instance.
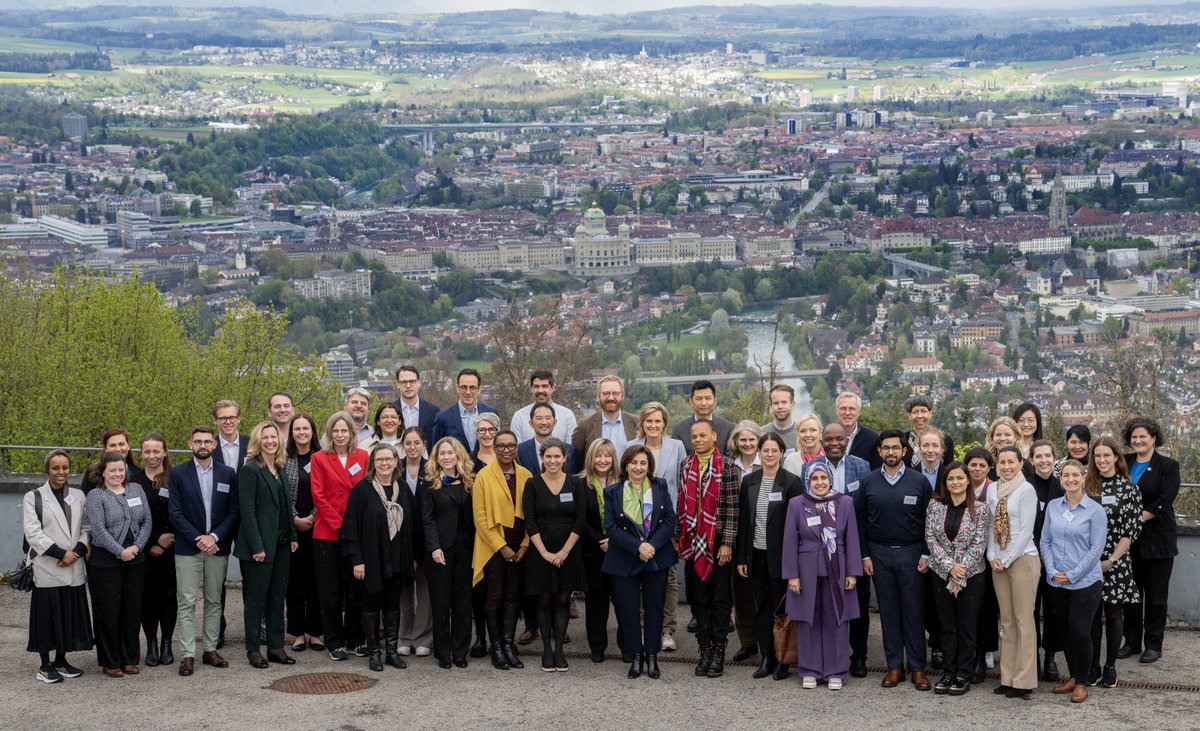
(322, 683)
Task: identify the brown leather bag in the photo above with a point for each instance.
(785, 635)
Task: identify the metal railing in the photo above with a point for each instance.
(6, 449)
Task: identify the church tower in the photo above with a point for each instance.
(1058, 203)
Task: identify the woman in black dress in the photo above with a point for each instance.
(449, 526)
(159, 603)
(303, 605)
(555, 505)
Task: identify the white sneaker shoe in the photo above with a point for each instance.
(989, 659)
(808, 683)
(404, 650)
(668, 643)
(835, 683)
(421, 651)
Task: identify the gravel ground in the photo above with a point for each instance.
(424, 696)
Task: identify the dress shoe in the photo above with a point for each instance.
(1080, 694)
(858, 667)
(527, 637)
(893, 678)
(782, 671)
(316, 645)
(766, 666)
(920, 681)
(960, 686)
(212, 658)
(1021, 693)
(652, 670)
(187, 666)
(299, 645)
(280, 657)
(130, 670)
(635, 667)
(1050, 669)
(256, 659)
(1065, 687)
(1126, 652)
(461, 662)
(114, 672)
(1150, 656)
(597, 656)
(445, 664)
(745, 653)
(942, 687)
(165, 656)
(979, 669)
(1002, 689)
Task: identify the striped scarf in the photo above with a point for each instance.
(699, 494)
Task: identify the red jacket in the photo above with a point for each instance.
(331, 485)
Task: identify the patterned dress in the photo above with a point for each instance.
(1123, 507)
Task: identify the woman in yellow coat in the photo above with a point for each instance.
(500, 546)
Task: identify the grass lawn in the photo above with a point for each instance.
(695, 341)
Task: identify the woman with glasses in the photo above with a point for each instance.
(486, 428)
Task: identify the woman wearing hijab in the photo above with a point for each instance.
(821, 563)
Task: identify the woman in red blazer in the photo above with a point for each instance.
(333, 472)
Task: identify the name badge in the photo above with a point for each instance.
(135, 502)
(222, 487)
(308, 468)
(910, 499)
(852, 487)
(814, 520)
(164, 493)
(567, 497)
(1068, 516)
(1108, 500)
(355, 469)
(775, 497)
(69, 500)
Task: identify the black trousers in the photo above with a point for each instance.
(450, 601)
(767, 592)
(117, 612)
(1043, 614)
(987, 637)
(933, 620)
(387, 599)
(599, 595)
(860, 628)
(335, 591)
(1153, 577)
(958, 618)
(1073, 612)
(505, 582)
(264, 589)
(711, 601)
(645, 593)
(303, 605)
(898, 587)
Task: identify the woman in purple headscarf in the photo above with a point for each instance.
(821, 563)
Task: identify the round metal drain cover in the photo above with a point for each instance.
(322, 683)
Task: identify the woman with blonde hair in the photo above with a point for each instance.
(1003, 432)
(265, 541)
(808, 444)
(600, 469)
(449, 527)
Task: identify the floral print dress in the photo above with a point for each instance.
(1122, 505)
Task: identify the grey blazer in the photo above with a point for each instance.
(112, 516)
(54, 535)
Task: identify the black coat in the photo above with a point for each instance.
(1159, 487)
(788, 486)
(447, 517)
(866, 447)
(365, 535)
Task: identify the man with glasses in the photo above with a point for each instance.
(231, 446)
(609, 422)
(890, 507)
(414, 410)
(542, 388)
(458, 420)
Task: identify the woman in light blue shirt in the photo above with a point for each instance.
(1072, 542)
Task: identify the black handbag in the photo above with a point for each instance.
(21, 577)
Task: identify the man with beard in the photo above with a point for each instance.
(609, 421)
(202, 503)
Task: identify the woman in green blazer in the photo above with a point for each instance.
(265, 541)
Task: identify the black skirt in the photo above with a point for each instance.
(544, 578)
(59, 619)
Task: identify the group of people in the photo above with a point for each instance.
(398, 537)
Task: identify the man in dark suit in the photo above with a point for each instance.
(861, 442)
(414, 410)
(608, 422)
(543, 422)
(231, 446)
(202, 502)
(703, 399)
(458, 420)
(281, 409)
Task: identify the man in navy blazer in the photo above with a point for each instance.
(202, 503)
(543, 421)
(862, 442)
(228, 416)
(459, 419)
(414, 410)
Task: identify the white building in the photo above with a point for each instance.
(334, 285)
(73, 232)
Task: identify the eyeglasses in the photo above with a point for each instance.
(228, 418)
(896, 448)
(468, 389)
(408, 382)
(384, 460)
(486, 430)
(505, 447)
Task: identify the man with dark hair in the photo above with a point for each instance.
(542, 388)
(414, 410)
(458, 420)
(542, 424)
(703, 400)
(890, 507)
(920, 416)
(280, 409)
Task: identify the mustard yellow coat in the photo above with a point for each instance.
(494, 511)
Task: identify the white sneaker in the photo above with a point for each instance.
(668, 643)
(404, 650)
(835, 683)
(808, 683)
(421, 651)
(989, 659)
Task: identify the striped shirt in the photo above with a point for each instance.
(760, 513)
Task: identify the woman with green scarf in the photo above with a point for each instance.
(599, 471)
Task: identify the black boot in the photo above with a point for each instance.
(979, 671)
(562, 615)
(1050, 668)
(165, 656)
(509, 629)
(652, 670)
(635, 667)
(370, 622)
(705, 659)
(545, 617)
(492, 617)
(391, 640)
(766, 666)
(782, 671)
(480, 648)
(716, 666)
(151, 647)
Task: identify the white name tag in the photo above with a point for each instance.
(1108, 500)
(222, 487)
(910, 499)
(814, 520)
(852, 487)
(135, 502)
(355, 469)
(567, 497)
(775, 497)
(1068, 516)
(308, 468)
(164, 493)
(69, 500)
